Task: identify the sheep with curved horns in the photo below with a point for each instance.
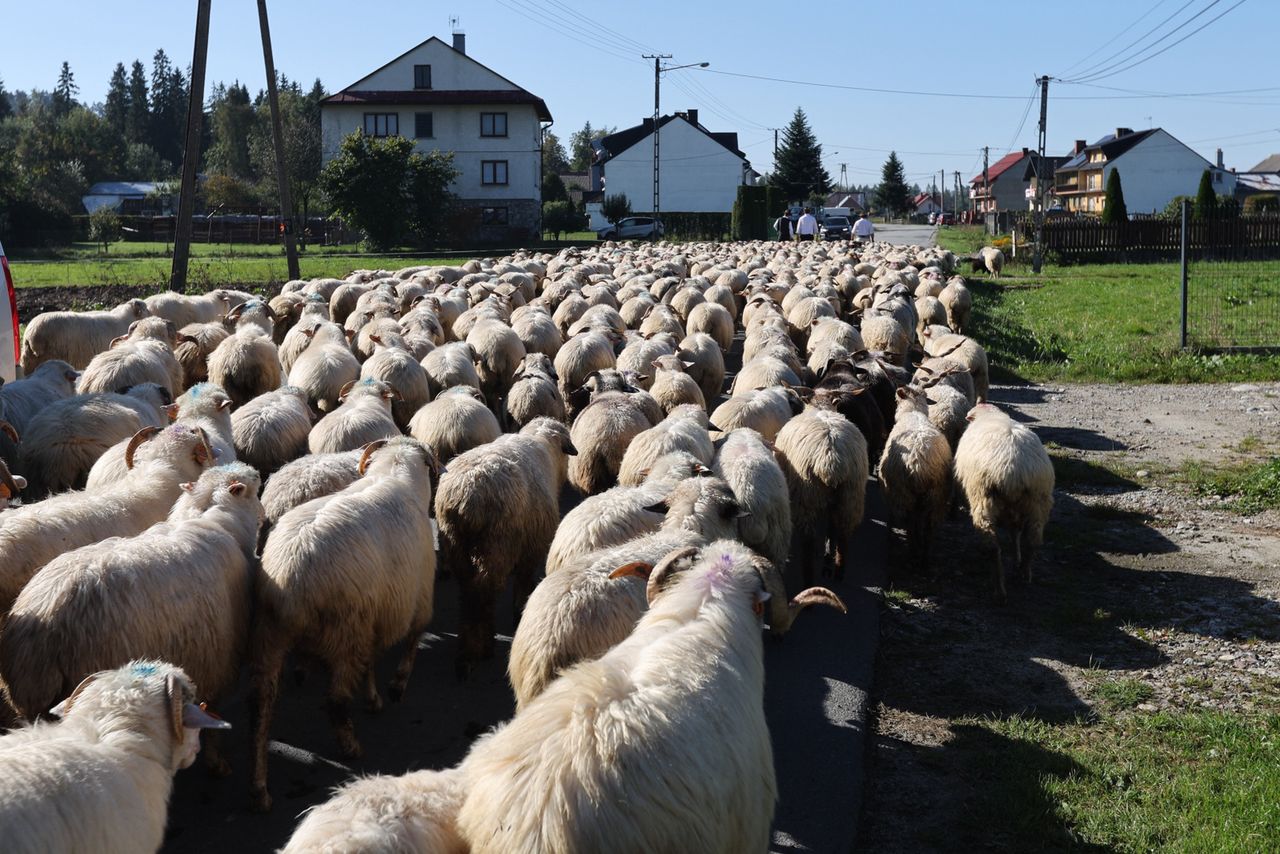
(62, 443)
(585, 608)
(612, 756)
(203, 405)
(497, 509)
(195, 343)
(825, 460)
(246, 364)
(746, 462)
(76, 336)
(95, 607)
(100, 778)
(344, 577)
(33, 535)
(325, 367)
(1007, 478)
(915, 470)
(363, 417)
(10, 486)
(272, 429)
(621, 513)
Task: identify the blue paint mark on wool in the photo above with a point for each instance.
(143, 669)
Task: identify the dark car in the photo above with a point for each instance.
(836, 228)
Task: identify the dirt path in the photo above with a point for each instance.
(1136, 581)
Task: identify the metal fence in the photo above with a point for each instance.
(1230, 292)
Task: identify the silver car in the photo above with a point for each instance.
(631, 227)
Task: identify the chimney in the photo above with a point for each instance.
(1081, 145)
(692, 115)
(1220, 164)
(460, 43)
(1123, 132)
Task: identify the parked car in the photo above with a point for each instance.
(836, 228)
(946, 219)
(631, 227)
(8, 324)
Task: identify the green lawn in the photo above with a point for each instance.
(85, 251)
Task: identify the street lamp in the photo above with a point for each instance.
(658, 68)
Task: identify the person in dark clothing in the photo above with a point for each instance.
(782, 225)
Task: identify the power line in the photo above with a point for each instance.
(1175, 44)
(1136, 41)
(1097, 49)
(1026, 112)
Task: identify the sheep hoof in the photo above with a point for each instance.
(396, 691)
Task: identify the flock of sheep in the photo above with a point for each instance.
(191, 485)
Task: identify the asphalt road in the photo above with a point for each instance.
(903, 235)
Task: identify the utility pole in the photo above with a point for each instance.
(955, 198)
(844, 177)
(191, 153)
(1044, 117)
(986, 180)
(277, 136)
(942, 190)
(657, 78)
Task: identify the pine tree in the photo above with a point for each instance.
(6, 106)
(116, 111)
(1113, 207)
(138, 122)
(64, 94)
(1206, 206)
(893, 196)
(798, 169)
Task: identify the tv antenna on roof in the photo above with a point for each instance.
(454, 22)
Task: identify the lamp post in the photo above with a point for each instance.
(658, 68)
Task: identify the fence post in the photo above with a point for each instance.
(1186, 207)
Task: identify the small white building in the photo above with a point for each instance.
(699, 171)
(438, 96)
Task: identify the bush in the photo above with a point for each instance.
(1261, 203)
(1173, 210)
(1206, 199)
(1113, 207)
(751, 214)
(553, 189)
(558, 217)
(681, 225)
(616, 207)
(104, 227)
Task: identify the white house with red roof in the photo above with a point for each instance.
(1008, 186)
(443, 99)
(926, 203)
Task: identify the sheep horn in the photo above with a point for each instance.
(204, 452)
(199, 717)
(65, 706)
(9, 486)
(635, 569)
(368, 452)
(138, 438)
(10, 431)
(173, 690)
(346, 389)
(665, 568)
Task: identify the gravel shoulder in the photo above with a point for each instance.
(1137, 583)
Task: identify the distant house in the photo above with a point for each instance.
(1261, 179)
(444, 100)
(1008, 186)
(1035, 171)
(925, 204)
(1154, 168)
(699, 170)
(1269, 164)
(576, 183)
(856, 202)
(128, 197)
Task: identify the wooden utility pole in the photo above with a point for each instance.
(277, 136)
(191, 152)
(1044, 116)
(986, 180)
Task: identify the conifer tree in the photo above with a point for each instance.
(1206, 206)
(798, 169)
(1113, 207)
(893, 196)
(116, 111)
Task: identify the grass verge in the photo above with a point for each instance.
(1188, 781)
(1249, 487)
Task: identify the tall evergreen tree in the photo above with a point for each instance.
(798, 169)
(1113, 206)
(64, 94)
(580, 151)
(138, 122)
(231, 119)
(893, 196)
(116, 111)
(554, 158)
(1206, 206)
(6, 105)
(314, 96)
(166, 115)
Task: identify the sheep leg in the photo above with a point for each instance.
(998, 568)
(1029, 548)
(215, 762)
(526, 578)
(265, 685)
(342, 683)
(404, 669)
(373, 699)
(475, 635)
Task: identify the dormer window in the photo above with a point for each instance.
(422, 77)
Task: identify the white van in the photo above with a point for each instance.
(8, 324)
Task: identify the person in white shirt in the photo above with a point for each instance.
(864, 229)
(807, 227)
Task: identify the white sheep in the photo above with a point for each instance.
(246, 364)
(344, 577)
(764, 371)
(615, 756)
(578, 358)
(130, 362)
(397, 367)
(325, 367)
(958, 302)
(76, 336)
(272, 429)
(684, 429)
(100, 778)
(450, 365)
(672, 387)
(95, 607)
(22, 399)
(601, 433)
(1007, 478)
(185, 310)
(747, 463)
(713, 319)
(194, 344)
(535, 392)
(915, 470)
(940, 341)
(33, 535)
(363, 417)
(455, 422)
(764, 410)
(497, 508)
(705, 364)
(639, 354)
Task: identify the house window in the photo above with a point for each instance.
(493, 124)
(422, 126)
(1217, 177)
(382, 124)
(422, 77)
(493, 216)
(493, 171)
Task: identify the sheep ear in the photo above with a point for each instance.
(203, 453)
(368, 452)
(118, 340)
(189, 486)
(171, 409)
(183, 338)
(138, 438)
(902, 393)
(62, 708)
(660, 507)
(237, 488)
(173, 690)
(568, 447)
(311, 333)
(224, 404)
(10, 431)
(346, 389)
(635, 569)
(688, 364)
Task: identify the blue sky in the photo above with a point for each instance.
(583, 58)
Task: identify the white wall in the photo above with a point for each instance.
(1157, 169)
(449, 70)
(697, 173)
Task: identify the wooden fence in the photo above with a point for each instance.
(1156, 238)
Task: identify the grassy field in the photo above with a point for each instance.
(1118, 322)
